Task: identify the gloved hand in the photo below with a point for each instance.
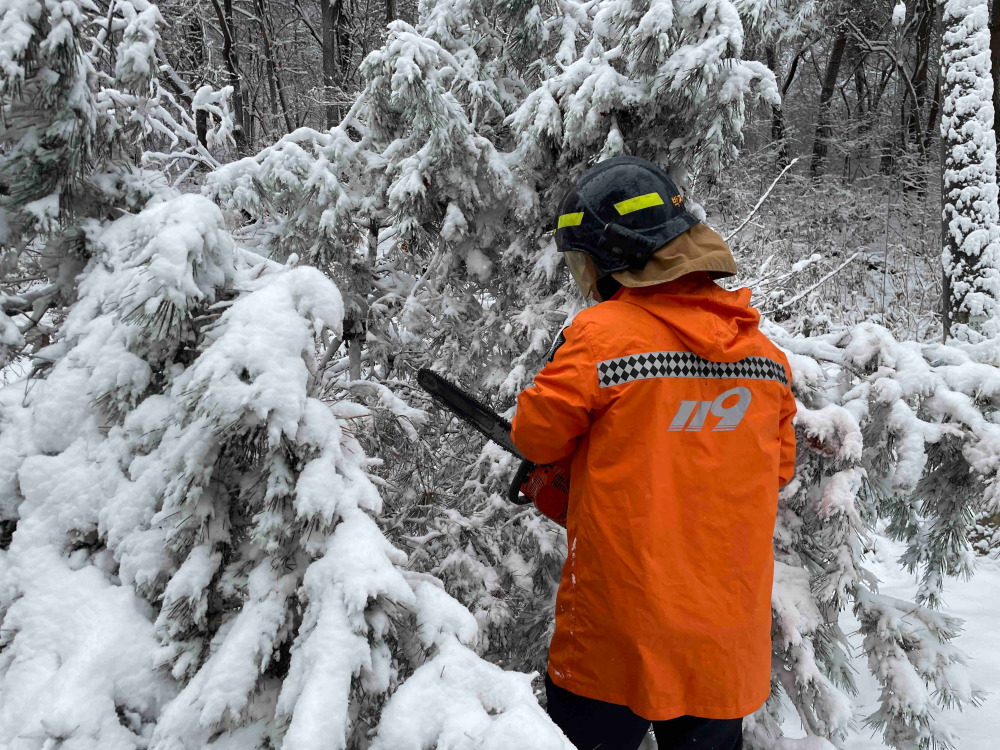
(546, 486)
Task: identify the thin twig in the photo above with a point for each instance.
(305, 20)
(762, 199)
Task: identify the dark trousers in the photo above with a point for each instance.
(595, 725)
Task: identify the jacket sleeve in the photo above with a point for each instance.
(556, 410)
(786, 428)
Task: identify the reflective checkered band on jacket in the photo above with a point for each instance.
(620, 370)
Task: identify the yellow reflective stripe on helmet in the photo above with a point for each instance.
(570, 220)
(639, 202)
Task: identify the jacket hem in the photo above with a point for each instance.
(656, 712)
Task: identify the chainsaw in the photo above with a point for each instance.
(547, 486)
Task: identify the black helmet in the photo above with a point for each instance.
(621, 212)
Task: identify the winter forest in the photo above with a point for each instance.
(231, 233)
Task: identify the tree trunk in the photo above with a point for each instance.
(929, 134)
(225, 18)
(968, 178)
(354, 358)
(201, 127)
(922, 63)
(935, 110)
(330, 12)
(995, 63)
(343, 41)
(273, 81)
(823, 128)
(336, 55)
(945, 303)
(863, 114)
(777, 115)
(390, 11)
(894, 145)
(196, 49)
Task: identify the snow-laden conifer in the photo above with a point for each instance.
(210, 524)
(971, 254)
(893, 431)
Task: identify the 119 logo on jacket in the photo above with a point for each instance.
(729, 416)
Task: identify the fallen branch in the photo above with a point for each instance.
(762, 199)
(814, 287)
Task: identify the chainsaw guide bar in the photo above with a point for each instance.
(468, 409)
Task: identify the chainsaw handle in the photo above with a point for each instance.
(520, 477)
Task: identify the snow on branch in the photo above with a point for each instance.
(886, 430)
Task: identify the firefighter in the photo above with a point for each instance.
(675, 414)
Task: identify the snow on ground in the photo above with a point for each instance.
(977, 602)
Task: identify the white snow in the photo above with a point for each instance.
(899, 14)
(75, 646)
(458, 701)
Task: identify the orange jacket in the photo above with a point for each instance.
(678, 414)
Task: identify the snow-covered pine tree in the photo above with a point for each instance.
(189, 552)
(894, 431)
(78, 98)
(195, 555)
(971, 233)
(60, 148)
(53, 136)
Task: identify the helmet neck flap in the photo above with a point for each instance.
(618, 215)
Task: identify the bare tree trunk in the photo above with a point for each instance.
(272, 87)
(343, 40)
(945, 304)
(273, 81)
(777, 115)
(894, 143)
(354, 358)
(330, 11)
(929, 134)
(863, 113)
(922, 63)
(336, 55)
(390, 11)
(354, 335)
(232, 69)
(823, 128)
(196, 49)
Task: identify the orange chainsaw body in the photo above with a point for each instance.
(547, 487)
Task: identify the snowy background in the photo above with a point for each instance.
(231, 233)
